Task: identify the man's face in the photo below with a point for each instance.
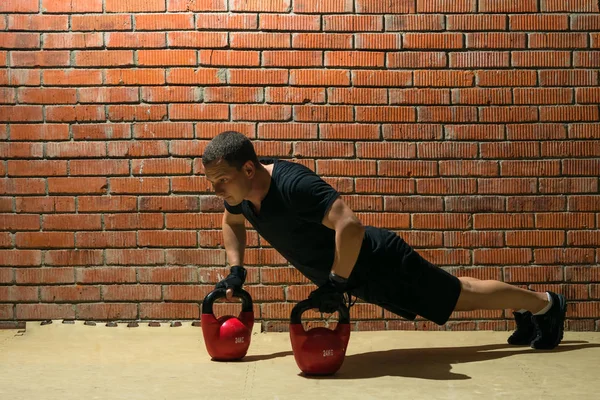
(230, 184)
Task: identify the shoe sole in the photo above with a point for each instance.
(561, 329)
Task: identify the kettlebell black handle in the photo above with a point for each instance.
(305, 305)
(207, 304)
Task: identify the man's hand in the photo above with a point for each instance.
(327, 298)
(233, 281)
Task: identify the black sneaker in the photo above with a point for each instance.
(525, 331)
(550, 326)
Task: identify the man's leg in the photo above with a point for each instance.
(495, 295)
(539, 316)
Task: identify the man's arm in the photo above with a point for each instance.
(234, 237)
(349, 234)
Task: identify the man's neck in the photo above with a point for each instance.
(263, 183)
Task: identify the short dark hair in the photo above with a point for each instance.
(231, 146)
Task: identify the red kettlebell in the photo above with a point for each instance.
(227, 338)
(319, 351)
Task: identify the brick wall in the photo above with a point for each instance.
(470, 127)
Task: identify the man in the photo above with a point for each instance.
(307, 222)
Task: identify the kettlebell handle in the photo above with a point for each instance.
(305, 305)
(207, 304)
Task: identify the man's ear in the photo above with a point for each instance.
(249, 169)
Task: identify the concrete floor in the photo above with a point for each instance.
(77, 361)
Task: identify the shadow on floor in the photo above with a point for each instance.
(433, 363)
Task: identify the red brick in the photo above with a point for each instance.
(169, 310)
(75, 113)
(583, 238)
(21, 6)
(544, 238)
(444, 78)
(468, 168)
(570, 149)
(564, 256)
(412, 132)
(506, 78)
(21, 222)
(357, 96)
(73, 6)
(77, 185)
(446, 186)
(565, 221)
(137, 149)
(75, 150)
(582, 167)
(166, 57)
(45, 276)
(323, 149)
(402, 168)
(346, 167)
(442, 6)
(279, 22)
(135, 257)
(419, 96)
(106, 275)
(23, 186)
(139, 185)
(475, 204)
(503, 221)
(536, 203)
(446, 40)
(168, 275)
(73, 257)
(233, 58)
(510, 150)
(385, 114)
(19, 40)
(21, 150)
(352, 23)
(101, 131)
(258, 77)
(508, 114)
(261, 113)
(323, 7)
(530, 168)
(98, 167)
(533, 274)
(447, 256)
(257, 40)
(167, 239)
(381, 41)
(70, 293)
(584, 203)
(381, 78)
(73, 41)
(105, 239)
(163, 22)
(507, 185)
(502, 256)
(18, 294)
(163, 130)
(408, 59)
(37, 168)
(230, 21)
(101, 311)
(101, 23)
(44, 311)
(441, 221)
(319, 77)
(72, 77)
(321, 41)
(137, 112)
(47, 204)
(169, 203)
(538, 22)
(473, 239)
(323, 113)
(43, 240)
(108, 95)
(20, 113)
(141, 76)
(569, 113)
(535, 132)
(201, 256)
(356, 59)
(47, 96)
(296, 58)
(135, 40)
(348, 132)
(160, 166)
(281, 95)
(581, 131)
(23, 77)
(133, 221)
(194, 221)
(474, 22)
(481, 96)
(66, 222)
(383, 185)
(585, 274)
(569, 6)
(447, 150)
(134, 6)
(199, 112)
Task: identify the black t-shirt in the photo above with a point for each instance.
(290, 220)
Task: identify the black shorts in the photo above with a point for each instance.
(406, 284)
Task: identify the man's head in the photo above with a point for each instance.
(230, 163)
